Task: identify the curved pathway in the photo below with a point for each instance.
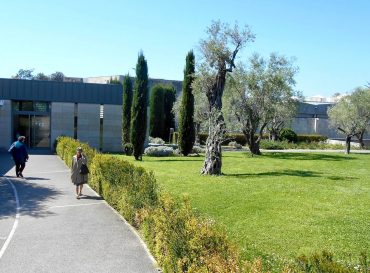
(44, 228)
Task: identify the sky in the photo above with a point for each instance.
(329, 40)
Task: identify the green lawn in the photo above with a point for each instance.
(279, 205)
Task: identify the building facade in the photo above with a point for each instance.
(44, 110)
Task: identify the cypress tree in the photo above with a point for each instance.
(169, 117)
(156, 111)
(126, 109)
(139, 107)
(186, 122)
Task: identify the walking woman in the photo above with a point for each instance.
(77, 178)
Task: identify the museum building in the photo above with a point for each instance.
(44, 110)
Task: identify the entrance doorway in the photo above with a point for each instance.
(36, 129)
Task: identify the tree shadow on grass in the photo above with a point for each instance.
(298, 173)
(308, 156)
(32, 198)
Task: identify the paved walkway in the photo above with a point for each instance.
(44, 228)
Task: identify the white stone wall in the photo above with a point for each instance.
(62, 120)
(112, 128)
(5, 125)
(88, 124)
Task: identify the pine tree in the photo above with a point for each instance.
(139, 107)
(169, 117)
(126, 109)
(186, 122)
(156, 111)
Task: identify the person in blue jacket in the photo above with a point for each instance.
(20, 156)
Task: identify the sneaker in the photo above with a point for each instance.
(78, 197)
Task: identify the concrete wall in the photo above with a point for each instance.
(62, 120)
(307, 126)
(112, 128)
(88, 124)
(5, 125)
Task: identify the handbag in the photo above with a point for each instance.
(84, 169)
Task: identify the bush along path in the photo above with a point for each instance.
(179, 240)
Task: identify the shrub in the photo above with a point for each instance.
(235, 145)
(311, 138)
(183, 242)
(156, 140)
(288, 134)
(128, 148)
(273, 145)
(125, 187)
(324, 262)
(198, 150)
(159, 151)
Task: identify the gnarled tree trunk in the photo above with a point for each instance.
(217, 128)
(213, 159)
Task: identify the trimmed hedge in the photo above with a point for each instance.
(240, 138)
(311, 138)
(124, 186)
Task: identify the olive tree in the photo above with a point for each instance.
(218, 54)
(258, 94)
(351, 116)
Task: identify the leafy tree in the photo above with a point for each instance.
(351, 115)
(361, 98)
(186, 121)
(219, 51)
(57, 76)
(41, 77)
(256, 95)
(126, 109)
(24, 74)
(156, 103)
(139, 107)
(169, 97)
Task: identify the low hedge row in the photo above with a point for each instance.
(179, 239)
(240, 138)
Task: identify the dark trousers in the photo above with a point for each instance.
(19, 166)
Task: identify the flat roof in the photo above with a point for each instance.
(35, 90)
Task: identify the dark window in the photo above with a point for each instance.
(35, 106)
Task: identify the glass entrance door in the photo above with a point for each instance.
(36, 129)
